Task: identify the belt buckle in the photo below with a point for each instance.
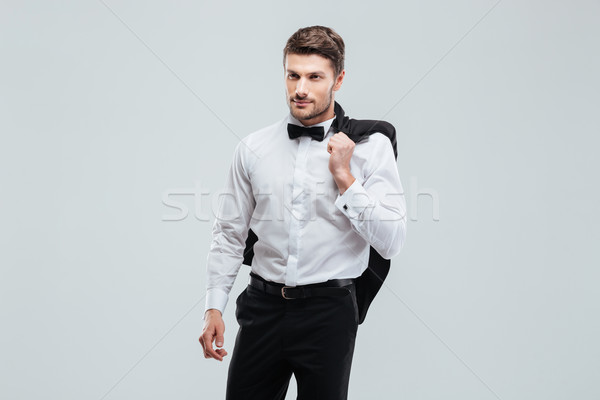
(283, 292)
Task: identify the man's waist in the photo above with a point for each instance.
(328, 282)
(331, 287)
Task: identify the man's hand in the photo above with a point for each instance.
(341, 148)
(214, 328)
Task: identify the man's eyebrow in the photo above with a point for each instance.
(310, 73)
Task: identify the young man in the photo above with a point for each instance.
(316, 201)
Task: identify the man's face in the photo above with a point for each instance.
(310, 84)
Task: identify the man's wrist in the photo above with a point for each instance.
(343, 179)
(213, 311)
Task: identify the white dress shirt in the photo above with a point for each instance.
(308, 232)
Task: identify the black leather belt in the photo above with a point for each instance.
(333, 287)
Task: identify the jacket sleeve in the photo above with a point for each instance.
(377, 207)
(229, 231)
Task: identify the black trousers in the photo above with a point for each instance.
(313, 338)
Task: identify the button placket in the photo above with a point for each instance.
(298, 211)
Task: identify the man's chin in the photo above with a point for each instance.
(301, 115)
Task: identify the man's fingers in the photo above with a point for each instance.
(213, 330)
(201, 340)
(209, 352)
(222, 352)
(330, 146)
(220, 340)
(208, 349)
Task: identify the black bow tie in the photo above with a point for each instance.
(315, 132)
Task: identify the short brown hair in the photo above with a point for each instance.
(319, 40)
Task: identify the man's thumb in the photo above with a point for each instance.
(220, 340)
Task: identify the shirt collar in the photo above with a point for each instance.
(325, 124)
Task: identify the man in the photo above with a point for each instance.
(316, 201)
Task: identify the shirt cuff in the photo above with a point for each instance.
(354, 200)
(215, 298)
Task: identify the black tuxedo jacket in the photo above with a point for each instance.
(369, 283)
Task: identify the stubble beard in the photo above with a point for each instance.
(300, 115)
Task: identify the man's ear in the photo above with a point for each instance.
(339, 80)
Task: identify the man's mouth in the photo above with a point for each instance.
(301, 103)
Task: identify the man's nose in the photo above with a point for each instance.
(302, 88)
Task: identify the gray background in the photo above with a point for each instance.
(108, 108)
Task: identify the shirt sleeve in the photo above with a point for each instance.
(377, 207)
(229, 232)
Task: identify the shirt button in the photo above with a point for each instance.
(345, 207)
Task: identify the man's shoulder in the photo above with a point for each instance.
(270, 129)
(374, 149)
(375, 139)
(259, 138)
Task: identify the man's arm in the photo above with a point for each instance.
(377, 207)
(230, 230)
